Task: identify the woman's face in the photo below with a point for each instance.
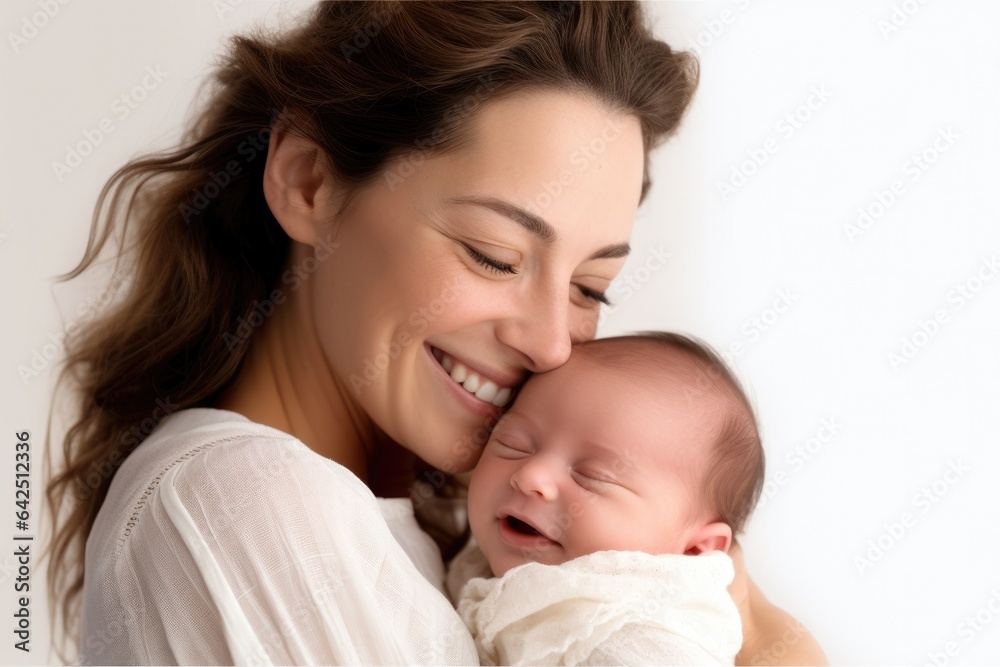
(457, 274)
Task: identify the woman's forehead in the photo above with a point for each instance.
(562, 156)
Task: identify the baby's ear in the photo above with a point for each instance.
(715, 536)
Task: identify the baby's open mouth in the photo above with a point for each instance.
(522, 527)
(520, 534)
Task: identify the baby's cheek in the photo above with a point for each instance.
(475, 499)
(484, 489)
(595, 529)
(633, 527)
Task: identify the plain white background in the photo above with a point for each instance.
(869, 345)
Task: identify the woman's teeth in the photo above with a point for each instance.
(484, 390)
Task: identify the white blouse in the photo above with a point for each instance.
(223, 541)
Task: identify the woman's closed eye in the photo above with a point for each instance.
(490, 264)
(503, 268)
(594, 295)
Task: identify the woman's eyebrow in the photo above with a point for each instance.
(529, 221)
(536, 225)
(612, 251)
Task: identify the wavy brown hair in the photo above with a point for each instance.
(197, 247)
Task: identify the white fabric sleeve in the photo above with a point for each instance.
(290, 552)
(469, 563)
(610, 607)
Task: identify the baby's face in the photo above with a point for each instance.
(589, 460)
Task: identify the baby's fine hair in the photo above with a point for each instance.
(735, 472)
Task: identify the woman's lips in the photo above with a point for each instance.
(483, 386)
(486, 388)
(467, 399)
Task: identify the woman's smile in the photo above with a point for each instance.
(485, 393)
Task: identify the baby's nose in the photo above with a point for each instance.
(535, 479)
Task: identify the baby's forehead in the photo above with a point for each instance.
(666, 384)
(640, 367)
(656, 395)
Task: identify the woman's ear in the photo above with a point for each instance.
(715, 536)
(296, 185)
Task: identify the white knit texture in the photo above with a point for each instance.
(222, 541)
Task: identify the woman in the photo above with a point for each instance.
(381, 223)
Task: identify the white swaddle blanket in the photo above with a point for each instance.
(610, 607)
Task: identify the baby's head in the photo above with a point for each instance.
(637, 443)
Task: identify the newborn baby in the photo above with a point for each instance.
(605, 502)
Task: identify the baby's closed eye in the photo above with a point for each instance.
(512, 448)
(593, 477)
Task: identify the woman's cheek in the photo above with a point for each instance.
(586, 326)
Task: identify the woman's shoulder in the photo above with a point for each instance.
(220, 450)
(222, 462)
(195, 429)
(228, 528)
(227, 443)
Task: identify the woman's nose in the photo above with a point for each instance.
(536, 478)
(539, 328)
